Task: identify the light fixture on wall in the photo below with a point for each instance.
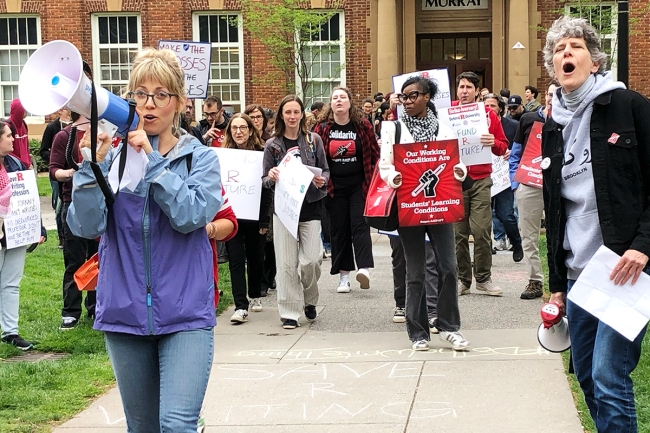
(518, 46)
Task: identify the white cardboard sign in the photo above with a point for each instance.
(194, 58)
(468, 122)
(23, 225)
(290, 191)
(500, 175)
(241, 177)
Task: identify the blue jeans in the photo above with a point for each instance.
(603, 360)
(503, 211)
(162, 378)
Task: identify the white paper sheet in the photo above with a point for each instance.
(136, 165)
(624, 308)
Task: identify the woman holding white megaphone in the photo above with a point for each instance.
(155, 290)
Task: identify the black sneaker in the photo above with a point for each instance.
(517, 253)
(68, 323)
(264, 293)
(16, 340)
(289, 324)
(310, 312)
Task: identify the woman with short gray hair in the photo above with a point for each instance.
(596, 150)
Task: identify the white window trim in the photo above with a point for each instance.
(198, 108)
(29, 119)
(613, 36)
(97, 77)
(342, 79)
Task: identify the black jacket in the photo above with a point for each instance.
(620, 151)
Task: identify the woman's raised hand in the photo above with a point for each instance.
(138, 139)
(103, 144)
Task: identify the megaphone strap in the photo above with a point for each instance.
(72, 136)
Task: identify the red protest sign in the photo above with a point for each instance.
(529, 171)
(429, 193)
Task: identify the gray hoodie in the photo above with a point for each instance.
(582, 236)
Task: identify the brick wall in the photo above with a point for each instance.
(639, 46)
(172, 19)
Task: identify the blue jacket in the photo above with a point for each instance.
(155, 259)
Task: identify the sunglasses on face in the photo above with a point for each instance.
(413, 96)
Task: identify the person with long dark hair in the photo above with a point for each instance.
(246, 249)
(298, 260)
(419, 122)
(352, 152)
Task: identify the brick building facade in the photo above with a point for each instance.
(499, 39)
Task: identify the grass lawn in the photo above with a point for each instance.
(34, 397)
(44, 187)
(641, 375)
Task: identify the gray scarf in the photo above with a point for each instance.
(422, 128)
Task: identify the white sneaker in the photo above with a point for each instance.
(363, 277)
(462, 289)
(432, 325)
(421, 345)
(240, 316)
(490, 288)
(399, 316)
(256, 305)
(343, 288)
(500, 245)
(456, 339)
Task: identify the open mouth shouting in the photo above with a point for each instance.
(568, 67)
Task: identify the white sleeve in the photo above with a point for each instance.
(386, 160)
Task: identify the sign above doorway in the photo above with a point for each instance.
(445, 5)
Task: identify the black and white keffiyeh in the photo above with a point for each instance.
(422, 128)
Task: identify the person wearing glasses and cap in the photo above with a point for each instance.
(155, 289)
(211, 129)
(515, 107)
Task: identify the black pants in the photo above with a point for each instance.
(348, 228)
(399, 276)
(247, 247)
(76, 251)
(270, 268)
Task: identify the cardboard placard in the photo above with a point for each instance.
(195, 58)
(23, 225)
(529, 171)
(241, 177)
(290, 191)
(500, 175)
(429, 193)
(469, 122)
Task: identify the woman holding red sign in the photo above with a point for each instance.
(419, 123)
(352, 152)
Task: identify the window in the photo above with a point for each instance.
(116, 42)
(324, 57)
(603, 16)
(20, 36)
(226, 66)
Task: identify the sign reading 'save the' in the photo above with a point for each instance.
(453, 4)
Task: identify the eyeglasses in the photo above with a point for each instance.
(413, 96)
(243, 128)
(211, 113)
(160, 99)
(258, 117)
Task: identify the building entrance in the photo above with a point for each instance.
(458, 52)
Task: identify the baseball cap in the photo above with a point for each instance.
(514, 101)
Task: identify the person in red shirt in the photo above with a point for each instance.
(477, 199)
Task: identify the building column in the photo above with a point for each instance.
(387, 56)
(518, 59)
(498, 39)
(408, 26)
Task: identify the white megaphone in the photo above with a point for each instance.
(53, 78)
(553, 332)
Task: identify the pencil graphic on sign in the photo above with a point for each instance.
(428, 177)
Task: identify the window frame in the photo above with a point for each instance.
(613, 36)
(198, 108)
(342, 56)
(94, 20)
(30, 118)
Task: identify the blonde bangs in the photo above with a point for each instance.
(161, 66)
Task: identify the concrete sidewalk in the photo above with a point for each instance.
(353, 370)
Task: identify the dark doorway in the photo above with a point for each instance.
(458, 52)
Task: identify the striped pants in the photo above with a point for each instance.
(298, 263)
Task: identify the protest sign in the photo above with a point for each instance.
(23, 225)
(500, 175)
(290, 191)
(529, 171)
(468, 122)
(440, 76)
(429, 193)
(241, 177)
(194, 58)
